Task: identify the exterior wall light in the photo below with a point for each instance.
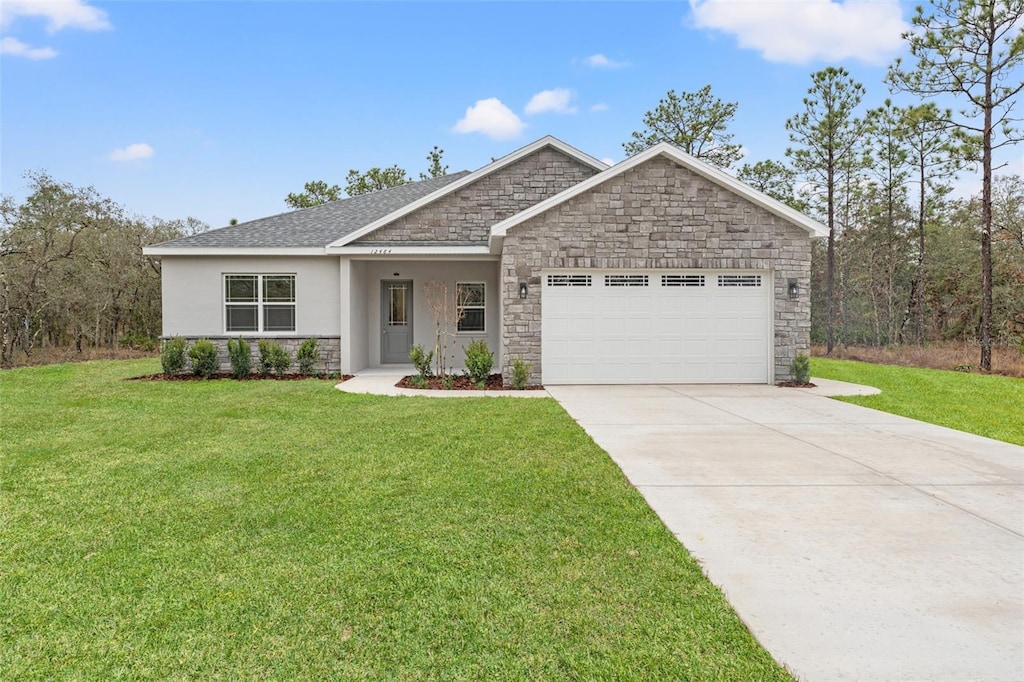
(794, 290)
(522, 289)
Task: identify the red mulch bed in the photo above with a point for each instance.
(250, 377)
(795, 384)
(462, 383)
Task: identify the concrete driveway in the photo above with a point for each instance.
(855, 544)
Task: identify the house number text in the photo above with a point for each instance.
(380, 250)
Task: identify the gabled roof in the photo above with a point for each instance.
(507, 160)
(308, 228)
(719, 177)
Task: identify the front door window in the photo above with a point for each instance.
(398, 297)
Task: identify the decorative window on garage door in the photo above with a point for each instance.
(682, 280)
(739, 280)
(625, 280)
(569, 280)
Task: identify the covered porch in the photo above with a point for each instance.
(388, 303)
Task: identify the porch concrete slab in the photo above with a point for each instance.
(855, 544)
(384, 384)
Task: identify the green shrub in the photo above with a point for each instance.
(421, 359)
(800, 368)
(308, 356)
(204, 358)
(479, 361)
(172, 356)
(520, 374)
(273, 358)
(241, 358)
(447, 381)
(419, 381)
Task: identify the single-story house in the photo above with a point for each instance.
(658, 269)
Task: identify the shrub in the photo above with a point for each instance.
(419, 381)
(241, 358)
(447, 381)
(479, 361)
(308, 356)
(273, 358)
(172, 357)
(800, 368)
(204, 358)
(520, 374)
(421, 359)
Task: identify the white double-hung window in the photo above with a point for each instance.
(259, 303)
(471, 306)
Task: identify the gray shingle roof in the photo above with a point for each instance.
(316, 226)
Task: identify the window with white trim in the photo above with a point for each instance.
(471, 307)
(259, 303)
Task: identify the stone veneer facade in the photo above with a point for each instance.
(467, 214)
(657, 215)
(330, 350)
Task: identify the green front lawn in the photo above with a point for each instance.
(988, 405)
(227, 530)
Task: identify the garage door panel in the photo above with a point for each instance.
(650, 334)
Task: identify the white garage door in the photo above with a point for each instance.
(655, 327)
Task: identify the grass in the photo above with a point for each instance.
(952, 355)
(987, 405)
(230, 530)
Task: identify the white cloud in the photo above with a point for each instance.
(800, 32)
(59, 14)
(492, 118)
(132, 152)
(601, 106)
(15, 47)
(599, 61)
(557, 100)
(608, 160)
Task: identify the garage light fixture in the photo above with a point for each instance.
(794, 290)
(522, 289)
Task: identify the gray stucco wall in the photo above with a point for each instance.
(467, 214)
(193, 292)
(655, 216)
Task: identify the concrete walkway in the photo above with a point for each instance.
(855, 544)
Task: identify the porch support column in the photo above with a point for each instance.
(345, 286)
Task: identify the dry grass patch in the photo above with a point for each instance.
(951, 355)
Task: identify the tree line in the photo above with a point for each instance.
(899, 262)
(72, 271)
(904, 261)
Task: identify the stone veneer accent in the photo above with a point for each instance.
(330, 350)
(468, 213)
(655, 216)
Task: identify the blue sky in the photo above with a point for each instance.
(219, 109)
